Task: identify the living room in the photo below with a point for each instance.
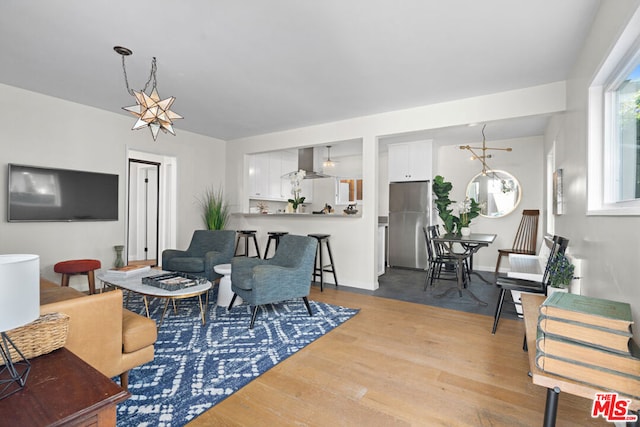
(50, 131)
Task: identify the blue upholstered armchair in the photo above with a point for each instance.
(208, 248)
(285, 276)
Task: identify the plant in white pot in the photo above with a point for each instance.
(560, 273)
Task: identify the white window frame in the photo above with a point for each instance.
(601, 160)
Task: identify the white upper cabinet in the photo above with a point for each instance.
(410, 161)
(265, 176)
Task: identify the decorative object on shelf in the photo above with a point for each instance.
(465, 231)
(560, 271)
(484, 156)
(351, 209)
(151, 111)
(328, 163)
(296, 187)
(215, 209)
(119, 262)
(263, 207)
(19, 306)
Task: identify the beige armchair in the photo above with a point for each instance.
(101, 332)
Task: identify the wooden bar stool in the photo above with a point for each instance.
(319, 267)
(275, 236)
(85, 267)
(246, 235)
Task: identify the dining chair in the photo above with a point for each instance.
(438, 257)
(558, 246)
(526, 238)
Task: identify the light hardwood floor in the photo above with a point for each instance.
(400, 364)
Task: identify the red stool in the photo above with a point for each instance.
(78, 266)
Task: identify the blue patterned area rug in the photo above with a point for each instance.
(197, 366)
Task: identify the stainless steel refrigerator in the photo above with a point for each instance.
(410, 209)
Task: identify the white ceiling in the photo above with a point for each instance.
(242, 68)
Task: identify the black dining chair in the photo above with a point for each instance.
(558, 246)
(438, 257)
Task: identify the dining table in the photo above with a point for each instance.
(462, 249)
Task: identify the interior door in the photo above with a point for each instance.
(143, 212)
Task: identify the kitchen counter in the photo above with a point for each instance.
(298, 215)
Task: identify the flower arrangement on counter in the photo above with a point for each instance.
(296, 188)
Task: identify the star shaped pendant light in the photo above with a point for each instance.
(151, 110)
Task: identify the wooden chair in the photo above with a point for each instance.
(526, 238)
(559, 246)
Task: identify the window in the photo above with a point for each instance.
(624, 138)
(614, 129)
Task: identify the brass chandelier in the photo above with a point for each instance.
(151, 111)
(484, 156)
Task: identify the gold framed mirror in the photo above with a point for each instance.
(498, 192)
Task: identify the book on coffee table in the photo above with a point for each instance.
(127, 271)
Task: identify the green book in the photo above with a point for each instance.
(563, 348)
(584, 333)
(591, 311)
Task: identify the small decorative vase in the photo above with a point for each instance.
(465, 231)
(119, 262)
(299, 209)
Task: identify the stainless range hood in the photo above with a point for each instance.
(305, 162)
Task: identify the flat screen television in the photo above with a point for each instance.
(49, 194)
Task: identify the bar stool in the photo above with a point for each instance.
(273, 235)
(78, 266)
(246, 235)
(319, 267)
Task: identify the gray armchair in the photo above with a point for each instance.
(208, 248)
(286, 275)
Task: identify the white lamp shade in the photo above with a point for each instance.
(19, 290)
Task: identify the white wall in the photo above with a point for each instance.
(44, 131)
(610, 245)
(355, 246)
(525, 163)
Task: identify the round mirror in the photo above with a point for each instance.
(498, 192)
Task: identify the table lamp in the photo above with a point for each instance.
(19, 305)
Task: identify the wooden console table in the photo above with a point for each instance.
(62, 389)
(553, 383)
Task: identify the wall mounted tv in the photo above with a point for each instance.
(48, 194)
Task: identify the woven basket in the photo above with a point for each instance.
(42, 336)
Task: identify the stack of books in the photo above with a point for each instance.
(589, 340)
(127, 271)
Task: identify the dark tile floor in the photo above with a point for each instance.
(408, 285)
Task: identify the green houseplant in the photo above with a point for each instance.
(560, 271)
(441, 190)
(215, 209)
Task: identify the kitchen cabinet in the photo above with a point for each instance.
(265, 176)
(410, 161)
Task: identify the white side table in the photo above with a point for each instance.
(224, 288)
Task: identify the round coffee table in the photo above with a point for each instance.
(224, 288)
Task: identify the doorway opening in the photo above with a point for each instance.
(144, 187)
(151, 207)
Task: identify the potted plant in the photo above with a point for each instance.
(296, 188)
(441, 190)
(215, 209)
(468, 209)
(560, 273)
